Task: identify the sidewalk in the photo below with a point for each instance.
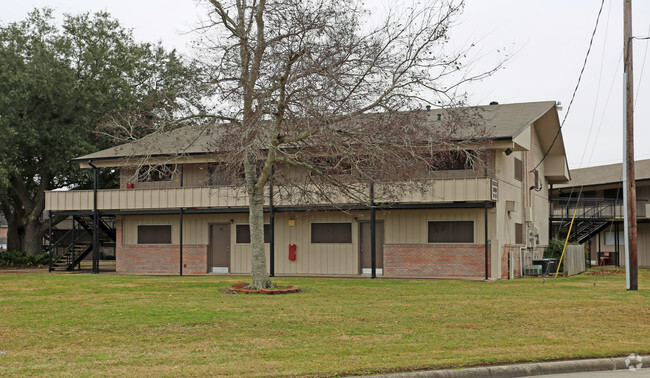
(532, 369)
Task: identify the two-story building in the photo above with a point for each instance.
(596, 195)
(473, 221)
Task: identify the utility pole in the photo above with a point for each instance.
(631, 262)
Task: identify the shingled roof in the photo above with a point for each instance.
(503, 122)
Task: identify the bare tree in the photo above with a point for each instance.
(312, 84)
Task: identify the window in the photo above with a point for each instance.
(610, 238)
(451, 232)
(218, 174)
(519, 169)
(155, 234)
(519, 233)
(154, 173)
(243, 233)
(332, 165)
(331, 232)
(451, 161)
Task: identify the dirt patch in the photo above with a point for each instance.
(241, 288)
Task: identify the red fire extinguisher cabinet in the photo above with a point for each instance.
(292, 252)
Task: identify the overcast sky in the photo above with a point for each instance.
(549, 40)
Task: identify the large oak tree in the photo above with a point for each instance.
(57, 84)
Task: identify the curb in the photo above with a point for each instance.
(532, 369)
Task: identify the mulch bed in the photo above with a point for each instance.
(241, 288)
(605, 272)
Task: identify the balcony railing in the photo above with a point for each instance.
(593, 208)
(437, 191)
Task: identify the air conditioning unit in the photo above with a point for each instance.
(533, 270)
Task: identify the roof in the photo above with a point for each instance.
(605, 174)
(504, 121)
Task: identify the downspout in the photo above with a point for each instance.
(95, 269)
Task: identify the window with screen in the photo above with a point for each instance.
(155, 234)
(243, 233)
(331, 232)
(451, 232)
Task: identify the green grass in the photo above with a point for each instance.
(82, 324)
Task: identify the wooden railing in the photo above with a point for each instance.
(435, 191)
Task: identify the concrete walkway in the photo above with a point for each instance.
(553, 369)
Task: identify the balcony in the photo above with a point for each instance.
(437, 191)
(593, 208)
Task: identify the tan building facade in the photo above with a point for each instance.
(495, 214)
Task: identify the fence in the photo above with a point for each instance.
(574, 260)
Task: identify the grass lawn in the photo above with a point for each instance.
(82, 324)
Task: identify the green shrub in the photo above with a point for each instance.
(20, 258)
(554, 249)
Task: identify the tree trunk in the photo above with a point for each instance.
(15, 234)
(33, 238)
(259, 274)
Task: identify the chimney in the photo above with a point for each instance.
(428, 108)
(494, 103)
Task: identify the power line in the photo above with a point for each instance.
(584, 64)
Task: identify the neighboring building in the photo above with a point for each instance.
(3, 233)
(469, 215)
(596, 193)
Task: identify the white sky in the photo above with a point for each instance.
(549, 40)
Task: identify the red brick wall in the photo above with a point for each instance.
(537, 253)
(134, 258)
(438, 260)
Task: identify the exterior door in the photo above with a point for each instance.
(219, 248)
(364, 247)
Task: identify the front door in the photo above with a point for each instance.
(364, 247)
(219, 248)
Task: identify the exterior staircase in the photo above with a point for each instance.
(592, 216)
(76, 244)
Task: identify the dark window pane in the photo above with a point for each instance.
(155, 173)
(451, 232)
(243, 233)
(218, 174)
(155, 234)
(519, 233)
(331, 232)
(439, 232)
(519, 169)
(462, 232)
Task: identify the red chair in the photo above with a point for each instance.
(604, 259)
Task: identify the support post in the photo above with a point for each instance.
(95, 269)
(550, 206)
(485, 211)
(182, 169)
(271, 227)
(180, 240)
(74, 235)
(631, 260)
(50, 251)
(617, 242)
(373, 233)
